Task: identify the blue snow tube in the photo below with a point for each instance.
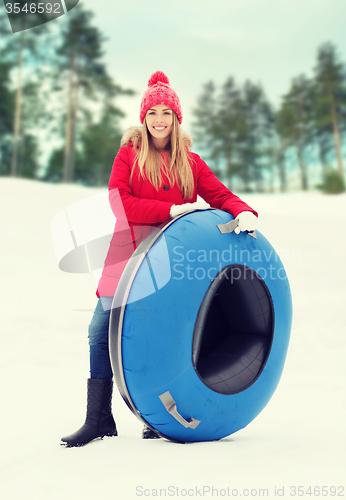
(200, 327)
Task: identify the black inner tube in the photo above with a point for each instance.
(234, 330)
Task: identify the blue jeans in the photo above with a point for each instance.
(100, 364)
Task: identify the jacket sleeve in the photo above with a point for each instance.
(215, 193)
(124, 205)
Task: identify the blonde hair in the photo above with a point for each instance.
(151, 164)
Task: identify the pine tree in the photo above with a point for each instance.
(99, 143)
(255, 135)
(330, 102)
(80, 56)
(6, 117)
(16, 51)
(295, 122)
(207, 126)
(230, 126)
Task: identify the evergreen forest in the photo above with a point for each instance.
(60, 121)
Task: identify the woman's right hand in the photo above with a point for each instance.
(188, 207)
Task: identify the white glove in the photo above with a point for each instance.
(188, 207)
(247, 221)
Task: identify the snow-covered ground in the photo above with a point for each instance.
(298, 439)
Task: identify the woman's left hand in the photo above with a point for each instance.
(247, 221)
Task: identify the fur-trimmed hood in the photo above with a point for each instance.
(136, 132)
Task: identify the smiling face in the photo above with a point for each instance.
(159, 120)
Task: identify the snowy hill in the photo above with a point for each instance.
(299, 438)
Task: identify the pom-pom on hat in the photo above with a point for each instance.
(159, 92)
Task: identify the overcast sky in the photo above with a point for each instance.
(267, 41)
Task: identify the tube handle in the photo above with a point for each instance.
(230, 226)
(170, 405)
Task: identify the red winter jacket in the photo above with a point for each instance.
(140, 207)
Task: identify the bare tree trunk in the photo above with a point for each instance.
(281, 165)
(17, 113)
(302, 167)
(272, 179)
(336, 135)
(36, 160)
(302, 144)
(74, 119)
(322, 155)
(258, 177)
(68, 136)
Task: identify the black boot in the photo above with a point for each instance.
(99, 420)
(148, 433)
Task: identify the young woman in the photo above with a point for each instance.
(155, 177)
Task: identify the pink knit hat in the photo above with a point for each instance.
(159, 92)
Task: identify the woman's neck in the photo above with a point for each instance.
(161, 144)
